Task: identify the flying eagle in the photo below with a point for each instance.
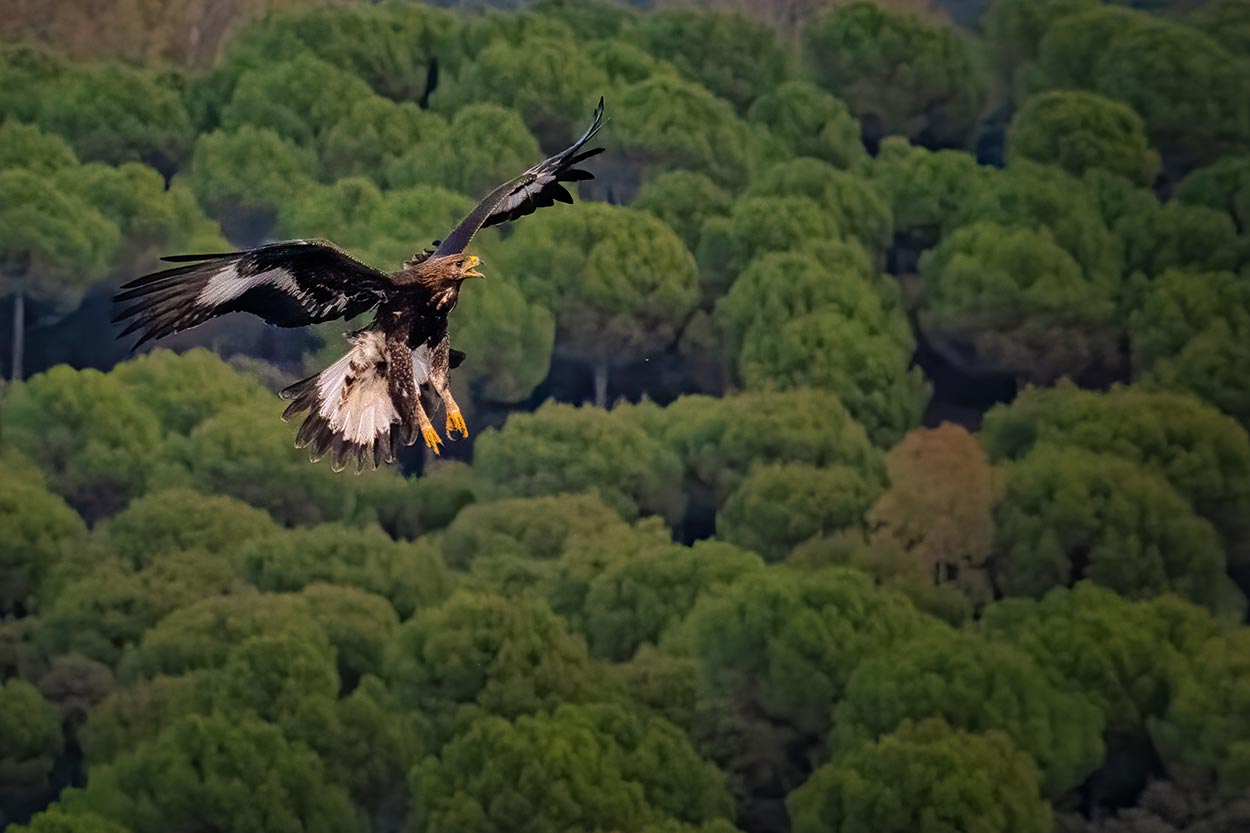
(361, 407)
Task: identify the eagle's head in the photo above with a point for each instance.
(464, 267)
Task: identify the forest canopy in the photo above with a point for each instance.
(866, 451)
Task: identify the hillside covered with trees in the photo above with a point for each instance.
(865, 452)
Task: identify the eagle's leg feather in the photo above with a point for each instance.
(440, 370)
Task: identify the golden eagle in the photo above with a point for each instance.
(375, 397)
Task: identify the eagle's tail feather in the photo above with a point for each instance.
(351, 417)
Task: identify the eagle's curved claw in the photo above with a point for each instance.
(455, 422)
(431, 438)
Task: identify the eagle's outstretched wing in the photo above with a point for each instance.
(538, 187)
(288, 284)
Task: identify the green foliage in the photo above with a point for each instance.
(1015, 28)
(298, 99)
(409, 574)
(559, 449)
(720, 440)
(504, 657)
(1192, 333)
(1020, 300)
(1080, 131)
(116, 114)
(632, 602)
(249, 169)
(30, 734)
(89, 436)
(810, 122)
(780, 506)
(26, 146)
(234, 774)
(1070, 514)
(1203, 454)
(577, 768)
(509, 339)
(54, 820)
(911, 77)
(1205, 735)
(1127, 657)
(855, 204)
(684, 200)
(977, 685)
(491, 145)
(1186, 87)
(1223, 186)
(666, 123)
(184, 389)
(178, 520)
(924, 778)
(370, 137)
(37, 531)
(925, 188)
(736, 58)
(786, 642)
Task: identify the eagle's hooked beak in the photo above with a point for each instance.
(472, 272)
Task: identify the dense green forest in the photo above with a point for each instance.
(865, 452)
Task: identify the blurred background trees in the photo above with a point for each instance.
(866, 450)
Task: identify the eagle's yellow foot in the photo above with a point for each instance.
(455, 422)
(431, 438)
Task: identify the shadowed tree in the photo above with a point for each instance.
(734, 57)
(664, 122)
(924, 778)
(369, 139)
(1203, 454)
(491, 143)
(1223, 186)
(618, 280)
(684, 200)
(230, 773)
(503, 657)
(37, 531)
(30, 735)
(243, 177)
(55, 820)
(905, 75)
(1068, 514)
(1018, 303)
(720, 440)
(53, 244)
(810, 122)
(510, 341)
(87, 434)
(632, 602)
(560, 448)
(1204, 738)
(1015, 29)
(1187, 88)
(1080, 131)
(925, 190)
(609, 768)
(779, 506)
(1191, 333)
(1127, 657)
(409, 574)
(977, 685)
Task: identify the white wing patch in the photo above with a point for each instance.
(352, 394)
(228, 284)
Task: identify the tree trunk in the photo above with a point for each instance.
(19, 332)
(601, 383)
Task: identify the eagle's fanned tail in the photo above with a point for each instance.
(351, 416)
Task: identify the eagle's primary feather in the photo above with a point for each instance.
(362, 407)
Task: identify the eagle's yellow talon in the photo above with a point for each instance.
(431, 438)
(455, 422)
